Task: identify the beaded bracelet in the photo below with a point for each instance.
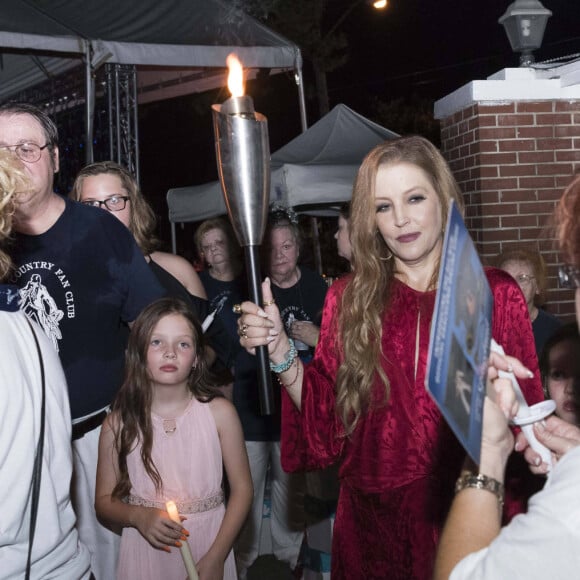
(287, 363)
(293, 381)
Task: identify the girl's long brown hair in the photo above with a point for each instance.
(132, 405)
(368, 291)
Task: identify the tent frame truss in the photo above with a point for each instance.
(121, 96)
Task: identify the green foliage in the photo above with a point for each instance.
(303, 22)
(407, 116)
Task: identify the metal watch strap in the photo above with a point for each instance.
(481, 481)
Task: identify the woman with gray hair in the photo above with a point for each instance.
(528, 269)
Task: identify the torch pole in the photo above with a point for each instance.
(262, 356)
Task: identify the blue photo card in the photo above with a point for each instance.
(460, 336)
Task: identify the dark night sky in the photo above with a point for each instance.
(415, 48)
(432, 47)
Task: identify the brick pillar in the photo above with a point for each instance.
(512, 161)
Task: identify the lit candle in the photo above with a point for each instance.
(185, 550)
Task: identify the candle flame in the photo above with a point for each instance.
(235, 76)
(172, 511)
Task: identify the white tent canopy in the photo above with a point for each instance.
(311, 172)
(42, 38)
(170, 33)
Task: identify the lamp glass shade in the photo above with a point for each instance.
(525, 23)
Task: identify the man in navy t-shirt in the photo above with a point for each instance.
(83, 279)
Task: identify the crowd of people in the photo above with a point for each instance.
(104, 346)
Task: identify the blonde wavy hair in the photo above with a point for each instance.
(13, 180)
(142, 221)
(367, 293)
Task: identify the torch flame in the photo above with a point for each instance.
(235, 76)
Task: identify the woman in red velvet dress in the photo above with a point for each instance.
(362, 400)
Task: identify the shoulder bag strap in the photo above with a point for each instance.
(37, 470)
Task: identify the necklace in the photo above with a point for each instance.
(170, 425)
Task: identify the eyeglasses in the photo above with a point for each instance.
(113, 203)
(29, 152)
(524, 278)
(569, 276)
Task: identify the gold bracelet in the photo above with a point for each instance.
(481, 481)
(291, 383)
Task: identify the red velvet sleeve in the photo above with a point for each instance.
(511, 327)
(312, 437)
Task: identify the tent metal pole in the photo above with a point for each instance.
(173, 238)
(316, 244)
(135, 139)
(304, 123)
(300, 82)
(89, 104)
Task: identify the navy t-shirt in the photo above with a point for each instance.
(82, 280)
(303, 301)
(543, 327)
(257, 427)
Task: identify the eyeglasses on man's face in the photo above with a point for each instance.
(29, 152)
(113, 203)
(569, 276)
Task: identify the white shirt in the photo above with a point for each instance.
(57, 552)
(543, 543)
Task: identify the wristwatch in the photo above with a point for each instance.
(481, 481)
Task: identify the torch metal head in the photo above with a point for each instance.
(243, 160)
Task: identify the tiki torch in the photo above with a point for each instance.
(243, 160)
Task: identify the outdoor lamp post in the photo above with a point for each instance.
(525, 22)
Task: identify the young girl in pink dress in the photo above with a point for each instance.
(168, 437)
